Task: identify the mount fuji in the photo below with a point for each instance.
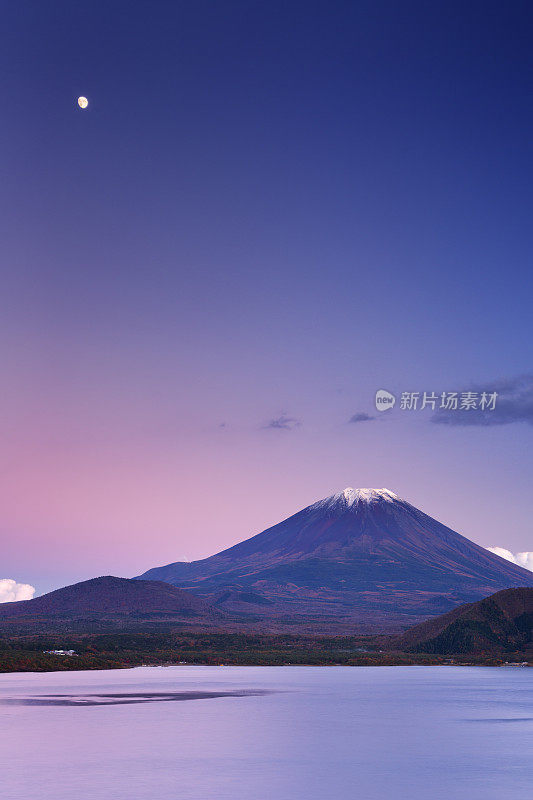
(362, 560)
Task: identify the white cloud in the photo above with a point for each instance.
(524, 559)
(11, 591)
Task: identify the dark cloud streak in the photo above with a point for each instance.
(360, 417)
(513, 404)
(282, 423)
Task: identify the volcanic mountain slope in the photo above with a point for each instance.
(112, 599)
(499, 623)
(361, 560)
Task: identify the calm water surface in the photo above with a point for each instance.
(257, 733)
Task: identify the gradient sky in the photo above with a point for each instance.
(267, 212)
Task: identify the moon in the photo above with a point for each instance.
(83, 102)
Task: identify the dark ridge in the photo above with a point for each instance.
(500, 623)
(109, 595)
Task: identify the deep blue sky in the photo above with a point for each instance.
(268, 211)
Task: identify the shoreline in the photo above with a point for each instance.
(83, 667)
(66, 651)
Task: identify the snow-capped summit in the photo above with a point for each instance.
(351, 498)
(368, 495)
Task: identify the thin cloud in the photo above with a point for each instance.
(11, 591)
(514, 403)
(524, 559)
(282, 423)
(360, 417)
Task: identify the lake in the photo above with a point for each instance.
(258, 733)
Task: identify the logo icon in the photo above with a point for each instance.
(384, 400)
